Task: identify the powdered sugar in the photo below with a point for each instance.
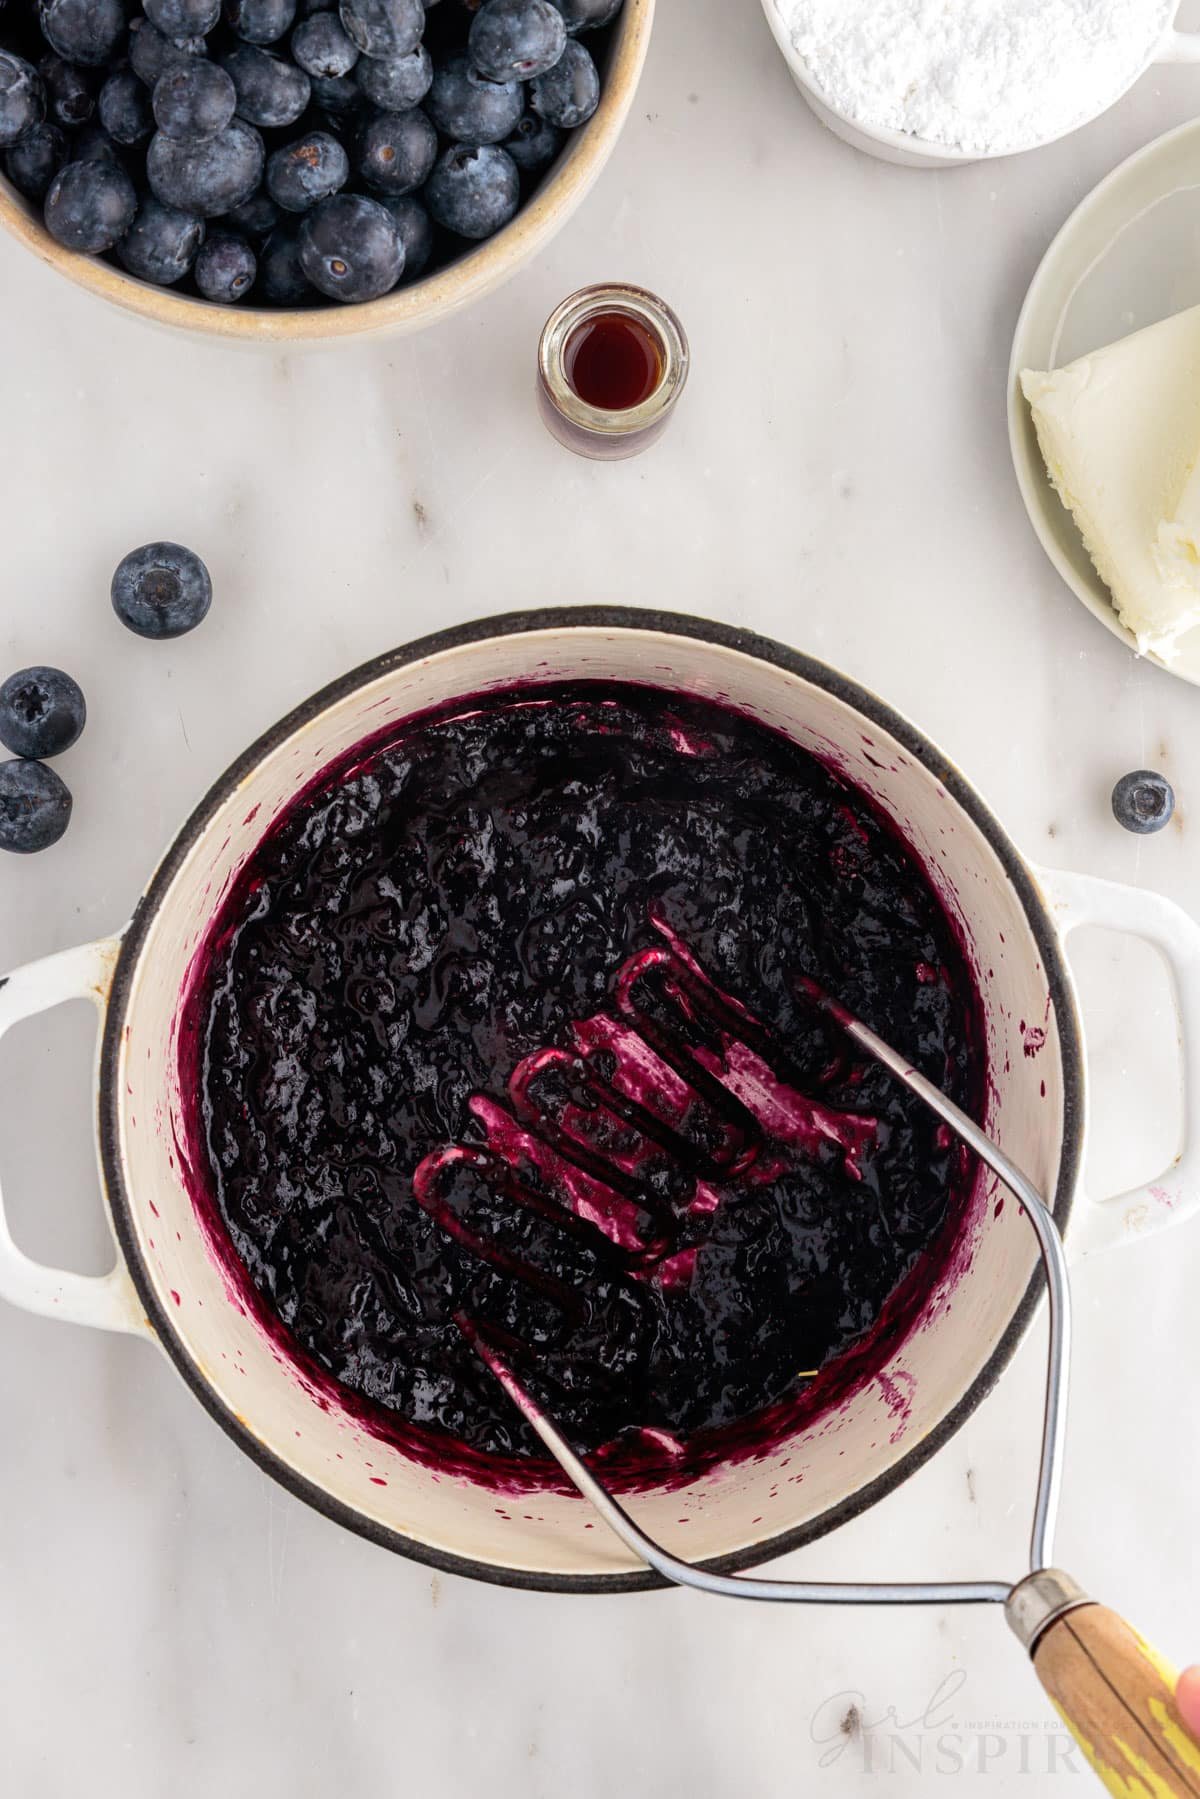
(976, 75)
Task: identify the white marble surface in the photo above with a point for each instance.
(838, 477)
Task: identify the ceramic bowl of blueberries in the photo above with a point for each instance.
(335, 1431)
(298, 169)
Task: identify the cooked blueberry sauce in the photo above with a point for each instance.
(505, 1025)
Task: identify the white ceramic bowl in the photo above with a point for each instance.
(902, 147)
(170, 1286)
(444, 291)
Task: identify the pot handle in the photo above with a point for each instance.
(107, 1301)
(1174, 1195)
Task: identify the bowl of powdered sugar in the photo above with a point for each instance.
(939, 82)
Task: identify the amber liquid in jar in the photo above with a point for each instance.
(613, 361)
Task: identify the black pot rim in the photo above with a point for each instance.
(567, 618)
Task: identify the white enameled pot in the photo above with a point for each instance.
(169, 1286)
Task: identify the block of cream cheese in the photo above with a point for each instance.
(1120, 434)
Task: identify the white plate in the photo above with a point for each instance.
(1128, 256)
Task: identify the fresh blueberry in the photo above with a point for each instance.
(306, 8)
(35, 807)
(195, 100)
(225, 269)
(32, 164)
(87, 31)
(208, 177)
(395, 82)
(42, 712)
(281, 278)
(416, 233)
(474, 190)
(568, 94)
(396, 151)
(514, 40)
(183, 18)
(465, 106)
(89, 205)
(321, 47)
(260, 21)
(124, 108)
(588, 15)
(93, 144)
(1143, 801)
(350, 248)
(22, 98)
(271, 93)
(384, 27)
(70, 91)
(255, 217)
(151, 54)
(336, 94)
(306, 171)
(533, 144)
(161, 590)
(161, 244)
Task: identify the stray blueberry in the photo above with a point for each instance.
(87, 31)
(395, 82)
(194, 100)
(384, 27)
(124, 108)
(35, 807)
(474, 190)
(1143, 801)
(161, 244)
(321, 47)
(568, 94)
(306, 171)
(533, 144)
(209, 176)
(516, 39)
(42, 712)
(588, 15)
(89, 205)
(271, 93)
(22, 98)
(183, 18)
(350, 248)
(396, 151)
(225, 269)
(260, 21)
(467, 107)
(161, 590)
(70, 92)
(416, 232)
(32, 164)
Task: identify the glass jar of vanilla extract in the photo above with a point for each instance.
(612, 363)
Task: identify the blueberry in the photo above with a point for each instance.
(225, 269)
(87, 31)
(395, 82)
(151, 54)
(472, 110)
(396, 151)
(208, 177)
(35, 807)
(260, 21)
(338, 94)
(281, 278)
(161, 244)
(416, 233)
(320, 46)
(89, 205)
(271, 93)
(569, 93)
(474, 189)
(161, 590)
(533, 144)
(384, 27)
(306, 171)
(306, 8)
(42, 712)
(22, 98)
(195, 100)
(588, 15)
(1143, 801)
(183, 18)
(93, 144)
(32, 164)
(70, 91)
(350, 248)
(124, 108)
(255, 217)
(516, 39)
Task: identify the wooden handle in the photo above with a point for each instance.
(1117, 1698)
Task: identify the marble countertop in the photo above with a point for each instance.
(837, 477)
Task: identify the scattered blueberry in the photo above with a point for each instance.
(161, 244)
(516, 39)
(321, 47)
(225, 269)
(260, 21)
(568, 94)
(210, 176)
(70, 91)
(197, 99)
(588, 15)
(350, 248)
(161, 590)
(22, 98)
(384, 27)
(124, 108)
(271, 93)
(1143, 801)
(467, 107)
(533, 143)
(89, 205)
(281, 279)
(32, 164)
(42, 712)
(396, 151)
(395, 82)
(416, 232)
(183, 18)
(35, 807)
(311, 169)
(87, 31)
(474, 189)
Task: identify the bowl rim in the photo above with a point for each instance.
(434, 296)
(565, 619)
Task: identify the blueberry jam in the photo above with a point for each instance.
(505, 1026)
